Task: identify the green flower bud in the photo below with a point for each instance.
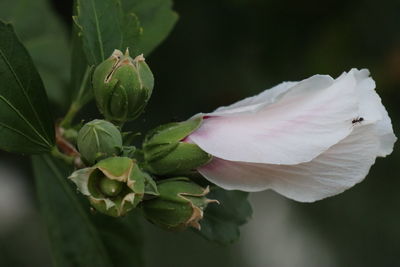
(180, 204)
(166, 153)
(110, 188)
(97, 140)
(122, 86)
(71, 135)
(113, 186)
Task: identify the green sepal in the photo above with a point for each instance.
(154, 153)
(117, 168)
(171, 132)
(129, 151)
(180, 204)
(91, 183)
(185, 157)
(166, 153)
(150, 187)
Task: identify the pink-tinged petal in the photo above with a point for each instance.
(369, 103)
(257, 102)
(337, 169)
(385, 131)
(372, 111)
(300, 124)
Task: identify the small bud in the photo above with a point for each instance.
(71, 135)
(97, 140)
(113, 186)
(122, 86)
(110, 188)
(166, 152)
(180, 204)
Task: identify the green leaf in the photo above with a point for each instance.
(89, 33)
(74, 239)
(26, 125)
(103, 27)
(156, 18)
(221, 222)
(138, 25)
(123, 238)
(132, 32)
(81, 89)
(45, 38)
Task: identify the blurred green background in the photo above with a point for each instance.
(225, 50)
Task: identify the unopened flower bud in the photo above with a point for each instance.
(167, 152)
(113, 186)
(110, 188)
(71, 135)
(122, 86)
(180, 204)
(97, 140)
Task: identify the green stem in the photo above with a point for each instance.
(119, 125)
(80, 100)
(69, 117)
(57, 154)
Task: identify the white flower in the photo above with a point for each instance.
(306, 140)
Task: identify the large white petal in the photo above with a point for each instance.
(302, 123)
(337, 169)
(369, 103)
(372, 111)
(257, 102)
(387, 137)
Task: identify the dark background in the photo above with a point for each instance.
(225, 50)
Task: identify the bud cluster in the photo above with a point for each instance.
(119, 177)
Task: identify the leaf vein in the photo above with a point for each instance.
(21, 133)
(10, 67)
(99, 37)
(24, 119)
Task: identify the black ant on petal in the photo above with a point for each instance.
(357, 120)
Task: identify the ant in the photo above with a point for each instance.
(357, 120)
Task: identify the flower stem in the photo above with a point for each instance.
(69, 117)
(82, 98)
(57, 154)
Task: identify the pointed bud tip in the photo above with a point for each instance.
(139, 58)
(121, 90)
(116, 54)
(182, 201)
